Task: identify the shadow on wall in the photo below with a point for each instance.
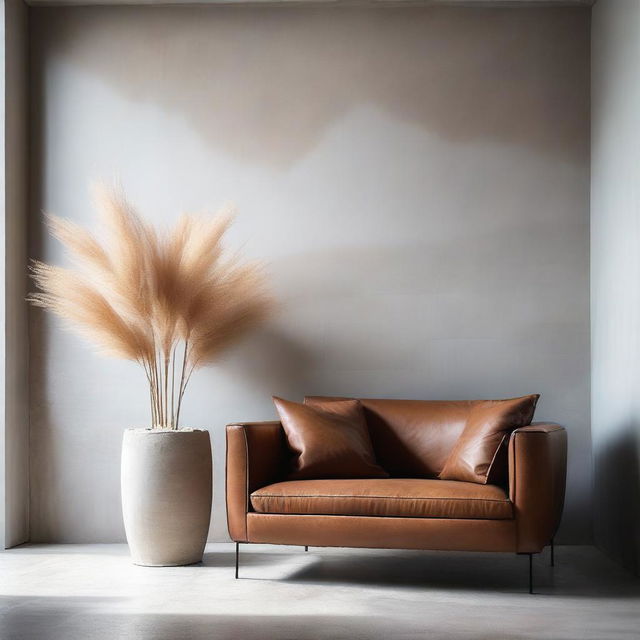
(44, 437)
(400, 311)
(270, 362)
(617, 496)
(263, 84)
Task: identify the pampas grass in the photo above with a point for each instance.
(172, 302)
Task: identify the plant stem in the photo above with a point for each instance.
(165, 360)
(181, 388)
(186, 382)
(156, 399)
(173, 378)
(147, 371)
(158, 373)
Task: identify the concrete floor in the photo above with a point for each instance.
(93, 592)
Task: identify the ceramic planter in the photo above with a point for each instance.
(166, 495)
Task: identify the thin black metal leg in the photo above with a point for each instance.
(306, 548)
(553, 560)
(237, 557)
(530, 572)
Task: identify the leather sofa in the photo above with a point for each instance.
(412, 509)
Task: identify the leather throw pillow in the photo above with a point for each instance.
(476, 455)
(328, 442)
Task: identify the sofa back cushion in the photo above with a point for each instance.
(411, 438)
(414, 438)
(328, 442)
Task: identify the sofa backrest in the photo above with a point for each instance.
(412, 438)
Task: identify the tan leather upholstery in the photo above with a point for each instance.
(328, 441)
(257, 458)
(537, 475)
(438, 534)
(395, 497)
(490, 422)
(412, 438)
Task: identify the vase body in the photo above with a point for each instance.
(166, 495)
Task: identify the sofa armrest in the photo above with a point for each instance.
(537, 476)
(256, 457)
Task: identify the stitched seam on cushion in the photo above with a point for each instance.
(515, 494)
(269, 495)
(487, 518)
(247, 499)
(537, 428)
(226, 475)
(515, 489)
(260, 514)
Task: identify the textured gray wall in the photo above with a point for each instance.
(615, 278)
(14, 423)
(417, 178)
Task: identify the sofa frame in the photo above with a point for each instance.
(257, 456)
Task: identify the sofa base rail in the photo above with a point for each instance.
(530, 558)
(367, 532)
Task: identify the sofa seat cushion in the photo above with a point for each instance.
(395, 497)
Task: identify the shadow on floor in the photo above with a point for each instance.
(81, 619)
(579, 571)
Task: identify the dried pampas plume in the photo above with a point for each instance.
(170, 301)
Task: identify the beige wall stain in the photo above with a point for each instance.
(264, 84)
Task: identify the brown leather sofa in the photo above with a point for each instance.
(410, 510)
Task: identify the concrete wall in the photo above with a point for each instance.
(615, 278)
(14, 430)
(417, 178)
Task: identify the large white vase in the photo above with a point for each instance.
(166, 495)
